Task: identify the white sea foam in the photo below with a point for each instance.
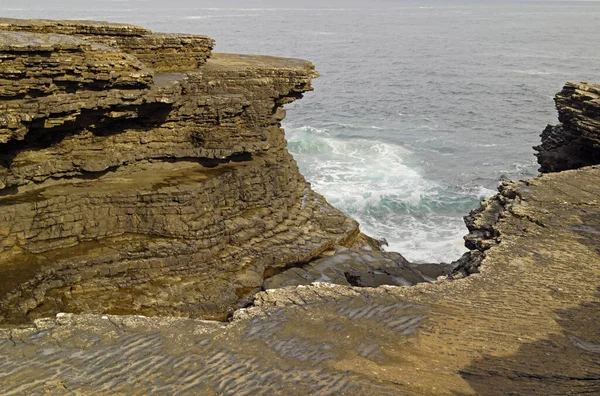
(483, 192)
(374, 182)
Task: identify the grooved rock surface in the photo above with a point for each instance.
(526, 324)
(124, 190)
(575, 142)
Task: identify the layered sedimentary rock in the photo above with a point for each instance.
(126, 190)
(575, 142)
(160, 51)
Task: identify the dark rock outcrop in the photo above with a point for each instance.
(575, 142)
(359, 267)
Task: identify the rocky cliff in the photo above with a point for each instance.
(139, 176)
(127, 190)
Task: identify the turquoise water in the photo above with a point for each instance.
(422, 108)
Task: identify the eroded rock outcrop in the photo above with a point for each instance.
(575, 142)
(572, 144)
(129, 186)
(359, 267)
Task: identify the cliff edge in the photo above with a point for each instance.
(140, 173)
(172, 193)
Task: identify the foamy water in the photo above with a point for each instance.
(377, 184)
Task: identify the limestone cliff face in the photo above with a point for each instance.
(575, 142)
(139, 176)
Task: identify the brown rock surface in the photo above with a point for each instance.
(124, 191)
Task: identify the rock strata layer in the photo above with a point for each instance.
(575, 142)
(159, 51)
(130, 186)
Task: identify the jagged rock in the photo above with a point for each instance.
(354, 267)
(124, 191)
(575, 142)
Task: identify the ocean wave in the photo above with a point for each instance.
(309, 130)
(376, 183)
(532, 72)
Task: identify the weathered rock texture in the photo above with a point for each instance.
(160, 51)
(526, 324)
(123, 190)
(575, 142)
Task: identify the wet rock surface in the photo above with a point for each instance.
(362, 268)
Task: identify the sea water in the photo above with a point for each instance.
(422, 107)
